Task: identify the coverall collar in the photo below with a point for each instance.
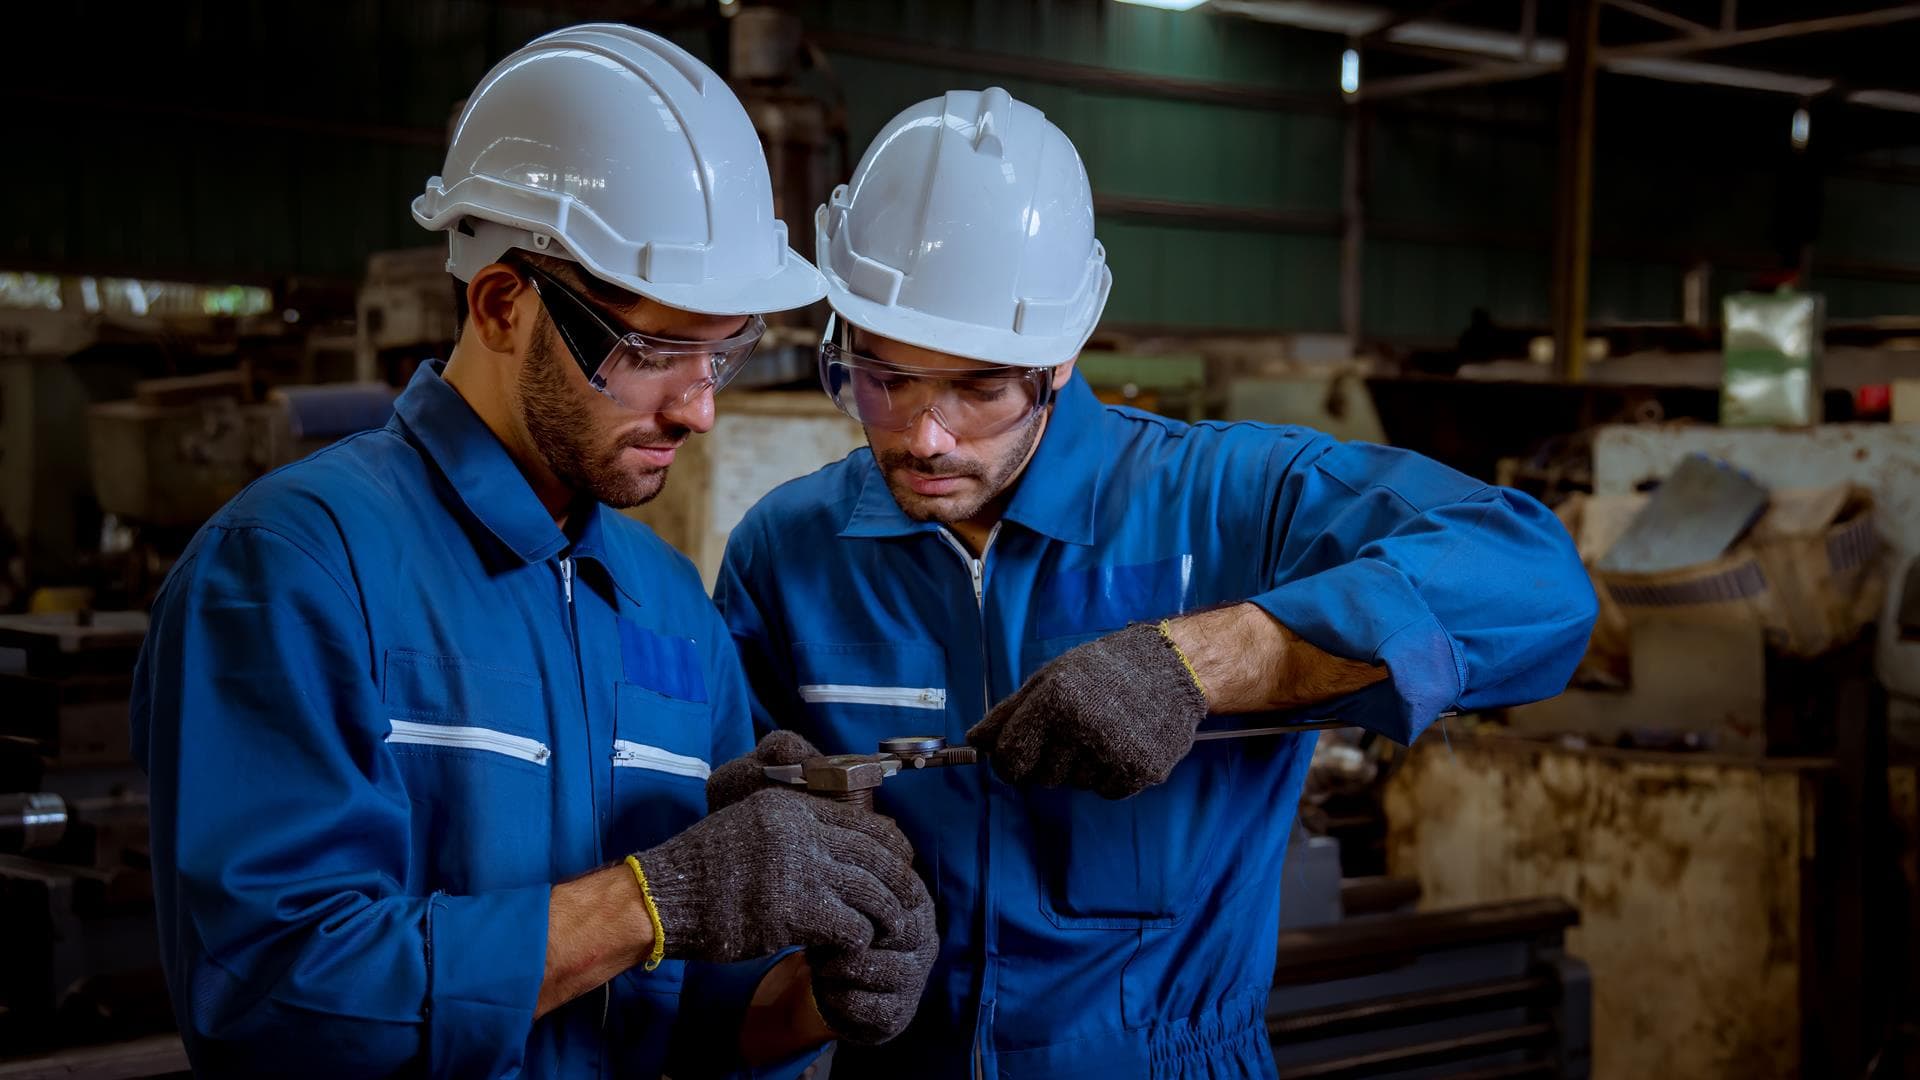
(486, 481)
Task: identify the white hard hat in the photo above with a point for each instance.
(968, 228)
(618, 149)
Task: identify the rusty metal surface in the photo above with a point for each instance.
(1882, 457)
(1686, 873)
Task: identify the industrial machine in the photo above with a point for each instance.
(76, 891)
(403, 314)
(168, 458)
(1484, 990)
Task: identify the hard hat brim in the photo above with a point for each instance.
(955, 338)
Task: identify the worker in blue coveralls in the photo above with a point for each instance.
(429, 727)
(1075, 590)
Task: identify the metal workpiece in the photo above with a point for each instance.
(852, 778)
(1216, 734)
(31, 821)
(922, 751)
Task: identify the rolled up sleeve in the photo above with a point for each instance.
(1471, 595)
(282, 839)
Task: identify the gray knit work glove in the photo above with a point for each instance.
(866, 994)
(1114, 716)
(782, 868)
(869, 995)
(746, 774)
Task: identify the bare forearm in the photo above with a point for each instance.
(1247, 661)
(782, 1019)
(597, 927)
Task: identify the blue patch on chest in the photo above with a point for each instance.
(661, 663)
(1102, 598)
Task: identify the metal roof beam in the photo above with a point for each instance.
(1664, 18)
(1728, 39)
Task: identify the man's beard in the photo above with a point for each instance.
(995, 478)
(562, 428)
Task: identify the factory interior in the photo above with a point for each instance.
(1642, 277)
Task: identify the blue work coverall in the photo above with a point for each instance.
(1082, 937)
(384, 703)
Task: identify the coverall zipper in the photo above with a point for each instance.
(977, 570)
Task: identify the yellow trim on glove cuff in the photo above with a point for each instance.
(1166, 631)
(653, 915)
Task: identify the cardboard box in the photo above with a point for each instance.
(1906, 401)
(1807, 575)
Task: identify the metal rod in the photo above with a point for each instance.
(1664, 18)
(1404, 1010)
(1288, 729)
(1729, 14)
(1437, 1052)
(31, 820)
(1256, 732)
(1529, 28)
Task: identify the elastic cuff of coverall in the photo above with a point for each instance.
(1367, 610)
(487, 958)
(713, 1010)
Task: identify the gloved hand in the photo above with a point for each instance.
(866, 994)
(1114, 716)
(869, 995)
(782, 868)
(743, 776)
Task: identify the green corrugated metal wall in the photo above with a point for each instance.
(241, 140)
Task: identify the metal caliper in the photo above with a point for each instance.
(853, 778)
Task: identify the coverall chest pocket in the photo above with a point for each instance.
(660, 767)
(1136, 862)
(856, 695)
(470, 741)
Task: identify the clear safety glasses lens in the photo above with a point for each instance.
(891, 397)
(975, 402)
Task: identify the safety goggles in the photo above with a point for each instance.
(976, 403)
(642, 372)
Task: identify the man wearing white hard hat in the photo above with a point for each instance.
(429, 725)
(1079, 591)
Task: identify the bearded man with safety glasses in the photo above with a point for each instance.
(1079, 591)
(429, 725)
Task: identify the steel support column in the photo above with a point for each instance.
(1573, 196)
(1353, 208)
